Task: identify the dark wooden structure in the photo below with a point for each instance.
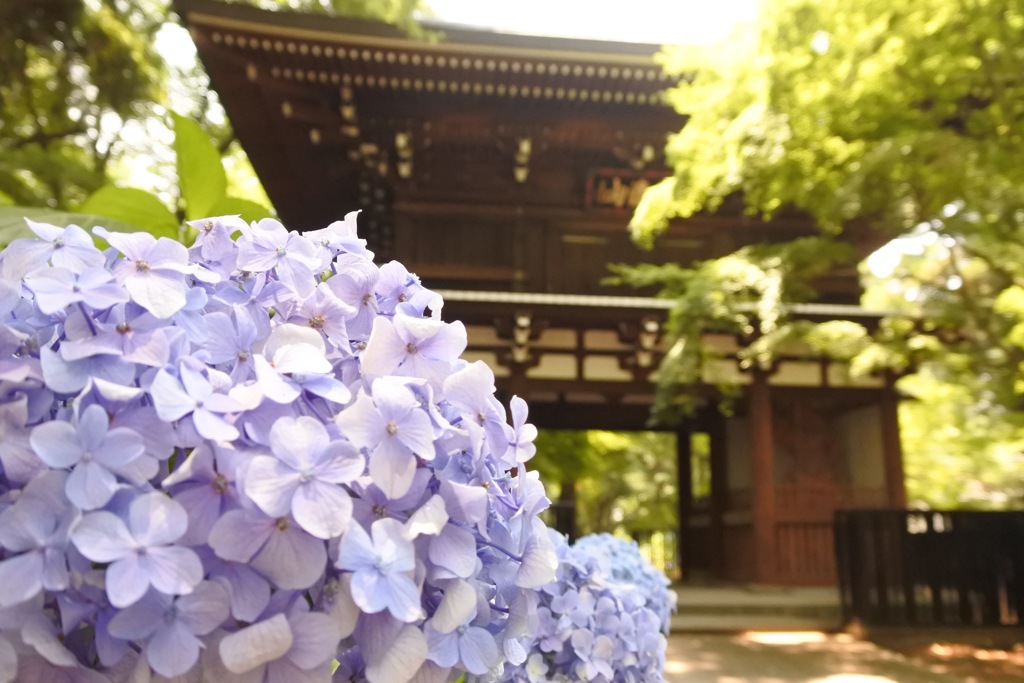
(503, 170)
(931, 568)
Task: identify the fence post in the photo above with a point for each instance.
(884, 556)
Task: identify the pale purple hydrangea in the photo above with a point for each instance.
(382, 567)
(621, 559)
(95, 455)
(139, 548)
(603, 620)
(304, 476)
(394, 430)
(152, 271)
(249, 459)
(171, 626)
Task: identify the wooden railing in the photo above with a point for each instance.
(931, 568)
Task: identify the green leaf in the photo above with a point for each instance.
(12, 221)
(134, 207)
(201, 174)
(246, 208)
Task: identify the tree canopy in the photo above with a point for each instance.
(624, 481)
(72, 72)
(882, 117)
(83, 87)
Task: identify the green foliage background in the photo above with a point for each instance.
(624, 481)
(87, 107)
(878, 117)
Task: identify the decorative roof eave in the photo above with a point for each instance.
(646, 304)
(459, 40)
(306, 91)
(304, 48)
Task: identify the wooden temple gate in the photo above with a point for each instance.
(503, 170)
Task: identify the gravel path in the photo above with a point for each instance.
(810, 657)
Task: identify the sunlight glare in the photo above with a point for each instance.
(175, 45)
(669, 22)
(883, 261)
(854, 678)
(784, 637)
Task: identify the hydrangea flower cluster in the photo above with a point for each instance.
(622, 560)
(254, 460)
(603, 619)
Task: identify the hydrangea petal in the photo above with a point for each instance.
(271, 484)
(295, 441)
(361, 423)
(385, 349)
(90, 486)
(22, 578)
(454, 549)
(429, 519)
(127, 581)
(368, 591)
(119, 447)
(92, 426)
(478, 650)
(173, 650)
(392, 468)
(213, 427)
(340, 606)
(340, 463)
(205, 608)
(55, 569)
(170, 400)
(315, 638)
(356, 550)
(539, 562)
(292, 559)
(417, 434)
(249, 592)
(173, 570)
(457, 606)
(156, 519)
(275, 387)
(103, 537)
(140, 620)
(56, 443)
(8, 661)
(257, 644)
(444, 647)
(400, 660)
(322, 509)
(301, 358)
(403, 598)
(239, 534)
(160, 293)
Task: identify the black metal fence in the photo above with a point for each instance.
(931, 568)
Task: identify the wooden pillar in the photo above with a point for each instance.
(684, 499)
(762, 502)
(719, 457)
(892, 450)
(565, 510)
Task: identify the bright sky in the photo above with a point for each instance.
(642, 21)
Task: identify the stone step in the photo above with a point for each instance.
(735, 623)
(711, 609)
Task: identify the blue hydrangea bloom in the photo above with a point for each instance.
(604, 619)
(244, 460)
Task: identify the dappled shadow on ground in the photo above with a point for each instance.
(977, 664)
(790, 657)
